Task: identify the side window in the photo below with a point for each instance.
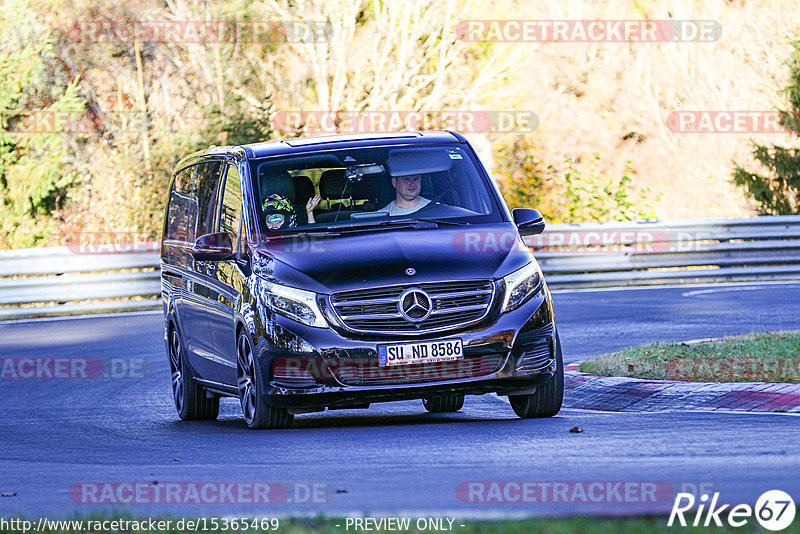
(206, 191)
(180, 223)
(231, 212)
(184, 180)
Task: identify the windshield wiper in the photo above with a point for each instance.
(445, 222)
(387, 225)
(319, 231)
(339, 229)
(377, 224)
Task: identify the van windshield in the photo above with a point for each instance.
(372, 186)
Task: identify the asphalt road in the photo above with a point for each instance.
(393, 459)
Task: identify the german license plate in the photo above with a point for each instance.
(442, 350)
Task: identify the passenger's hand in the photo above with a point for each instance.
(312, 203)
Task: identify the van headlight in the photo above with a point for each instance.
(522, 285)
(296, 304)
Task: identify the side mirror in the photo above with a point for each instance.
(217, 246)
(529, 222)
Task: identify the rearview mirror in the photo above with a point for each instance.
(529, 222)
(216, 246)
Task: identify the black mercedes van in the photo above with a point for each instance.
(334, 272)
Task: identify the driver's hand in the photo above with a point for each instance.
(312, 203)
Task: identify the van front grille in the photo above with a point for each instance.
(380, 310)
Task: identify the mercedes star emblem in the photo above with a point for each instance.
(415, 305)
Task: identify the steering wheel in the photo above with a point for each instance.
(437, 199)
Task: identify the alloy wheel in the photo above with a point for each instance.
(247, 373)
(176, 365)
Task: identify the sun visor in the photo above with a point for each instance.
(402, 162)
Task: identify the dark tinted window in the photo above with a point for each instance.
(184, 180)
(361, 184)
(181, 207)
(206, 191)
(231, 204)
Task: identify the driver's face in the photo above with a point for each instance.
(408, 187)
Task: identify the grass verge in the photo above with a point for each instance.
(761, 357)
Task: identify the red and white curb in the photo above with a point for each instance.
(620, 394)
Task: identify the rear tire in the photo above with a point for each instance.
(257, 413)
(443, 403)
(547, 399)
(190, 399)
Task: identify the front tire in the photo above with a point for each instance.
(443, 403)
(547, 399)
(257, 413)
(190, 399)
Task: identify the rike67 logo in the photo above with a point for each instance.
(774, 510)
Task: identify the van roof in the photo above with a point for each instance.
(298, 145)
(304, 144)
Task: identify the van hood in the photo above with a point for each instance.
(395, 256)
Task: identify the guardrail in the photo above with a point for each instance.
(590, 255)
(56, 281)
(44, 282)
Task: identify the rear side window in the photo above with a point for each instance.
(206, 193)
(231, 212)
(181, 207)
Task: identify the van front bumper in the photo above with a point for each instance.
(513, 354)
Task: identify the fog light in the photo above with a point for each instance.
(537, 359)
(289, 372)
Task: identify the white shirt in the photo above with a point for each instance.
(393, 209)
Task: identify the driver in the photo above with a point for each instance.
(407, 198)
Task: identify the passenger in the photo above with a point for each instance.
(280, 213)
(407, 196)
